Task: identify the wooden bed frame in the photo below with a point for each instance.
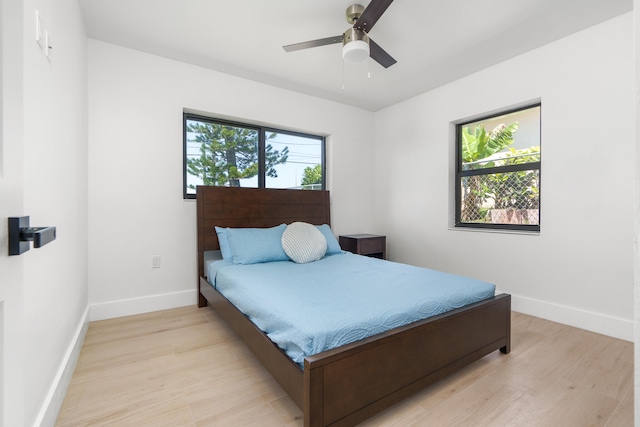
(346, 385)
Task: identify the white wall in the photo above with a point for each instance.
(11, 203)
(55, 188)
(45, 160)
(136, 209)
(636, 13)
(579, 269)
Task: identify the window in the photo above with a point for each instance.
(223, 153)
(498, 171)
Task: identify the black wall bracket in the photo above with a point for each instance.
(20, 234)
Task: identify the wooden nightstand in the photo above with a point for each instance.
(365, 244)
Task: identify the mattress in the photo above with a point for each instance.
(309, 308)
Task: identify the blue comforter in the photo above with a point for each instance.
(309, 308)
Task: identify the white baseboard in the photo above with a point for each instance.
(595, 322)
(128, 307)
(53, 402)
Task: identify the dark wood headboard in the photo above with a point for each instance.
(254, 207)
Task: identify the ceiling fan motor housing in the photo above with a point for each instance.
(353, 13)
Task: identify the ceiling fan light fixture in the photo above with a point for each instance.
(355, 51)
(355, 45)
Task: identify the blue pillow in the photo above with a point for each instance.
(254, 245)
(333, 247)
(225, 250)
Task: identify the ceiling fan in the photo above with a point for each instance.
(356, 44)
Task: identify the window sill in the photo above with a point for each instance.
(493, 230)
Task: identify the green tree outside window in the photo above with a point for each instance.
(229, 154)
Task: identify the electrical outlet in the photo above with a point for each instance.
(155, 261)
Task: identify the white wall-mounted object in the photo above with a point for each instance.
(48, 44)
(39, 36)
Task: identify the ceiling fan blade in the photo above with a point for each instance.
(313, 43)
(371, 14)
(380, 55)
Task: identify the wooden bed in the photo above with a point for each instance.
(346, 385)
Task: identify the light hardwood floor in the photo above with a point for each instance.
(185, 367)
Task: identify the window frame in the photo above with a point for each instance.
(460, 174)
(262, 132)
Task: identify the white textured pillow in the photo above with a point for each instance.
(303, 242)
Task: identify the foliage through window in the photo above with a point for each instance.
(222, 153)
(498, 171)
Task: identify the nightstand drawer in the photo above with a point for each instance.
(374, 244)
(365, 244)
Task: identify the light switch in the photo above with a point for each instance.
(48, 46)
(39, 38)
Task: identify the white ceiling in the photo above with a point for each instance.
(434, 42)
